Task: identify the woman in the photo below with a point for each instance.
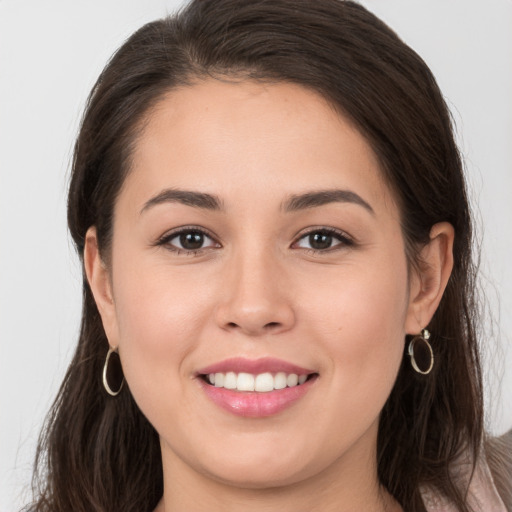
(278, 289)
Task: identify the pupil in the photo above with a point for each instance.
(192, 240)
(320, 241)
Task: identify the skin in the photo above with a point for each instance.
(256, 289)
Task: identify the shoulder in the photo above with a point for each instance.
(498, 452)
(489, 486)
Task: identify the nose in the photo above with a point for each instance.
(256, 299)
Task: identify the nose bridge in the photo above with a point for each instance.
(255, 300)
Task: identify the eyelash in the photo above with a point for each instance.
(344, 239)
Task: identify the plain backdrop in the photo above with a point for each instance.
(50, 55)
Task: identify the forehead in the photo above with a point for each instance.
(261, 140)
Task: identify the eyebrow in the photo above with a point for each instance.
(186, 197)
(322, 197)
(294, 203)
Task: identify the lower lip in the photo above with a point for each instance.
(254, 404)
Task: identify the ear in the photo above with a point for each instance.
(429, 279)
(100, 283)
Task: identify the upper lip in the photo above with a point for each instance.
(254, 366)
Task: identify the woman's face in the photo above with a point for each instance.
(255, 239)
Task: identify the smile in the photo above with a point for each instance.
(255, 388)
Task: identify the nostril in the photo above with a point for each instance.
(271, 325)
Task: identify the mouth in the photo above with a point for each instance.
(255, 388)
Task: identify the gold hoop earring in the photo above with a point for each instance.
(420, 351)
(113, 372)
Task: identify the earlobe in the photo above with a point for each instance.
(430, 277)
(99, 281)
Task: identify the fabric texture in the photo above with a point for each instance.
(482, 494)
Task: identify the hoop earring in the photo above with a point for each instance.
(113, 372)
(420, 351)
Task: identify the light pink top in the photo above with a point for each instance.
(482, 495)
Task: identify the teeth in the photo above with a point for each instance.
(245, 382)
(292, 380)
(280, 381)
(230, 380)
(262, 383)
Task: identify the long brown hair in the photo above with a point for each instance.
(100, 453)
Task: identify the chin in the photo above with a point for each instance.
(259, 468)
(257, 476)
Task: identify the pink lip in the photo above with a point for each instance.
(253, 404)
(254, 366)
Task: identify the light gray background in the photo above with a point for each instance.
(50, 55)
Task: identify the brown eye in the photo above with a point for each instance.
(192, 241)
(188, 240)
(323, 240)
(320, 241)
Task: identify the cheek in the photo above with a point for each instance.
(360, 320)
(160, 319)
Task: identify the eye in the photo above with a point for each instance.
(188, 240)
(323, 240)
